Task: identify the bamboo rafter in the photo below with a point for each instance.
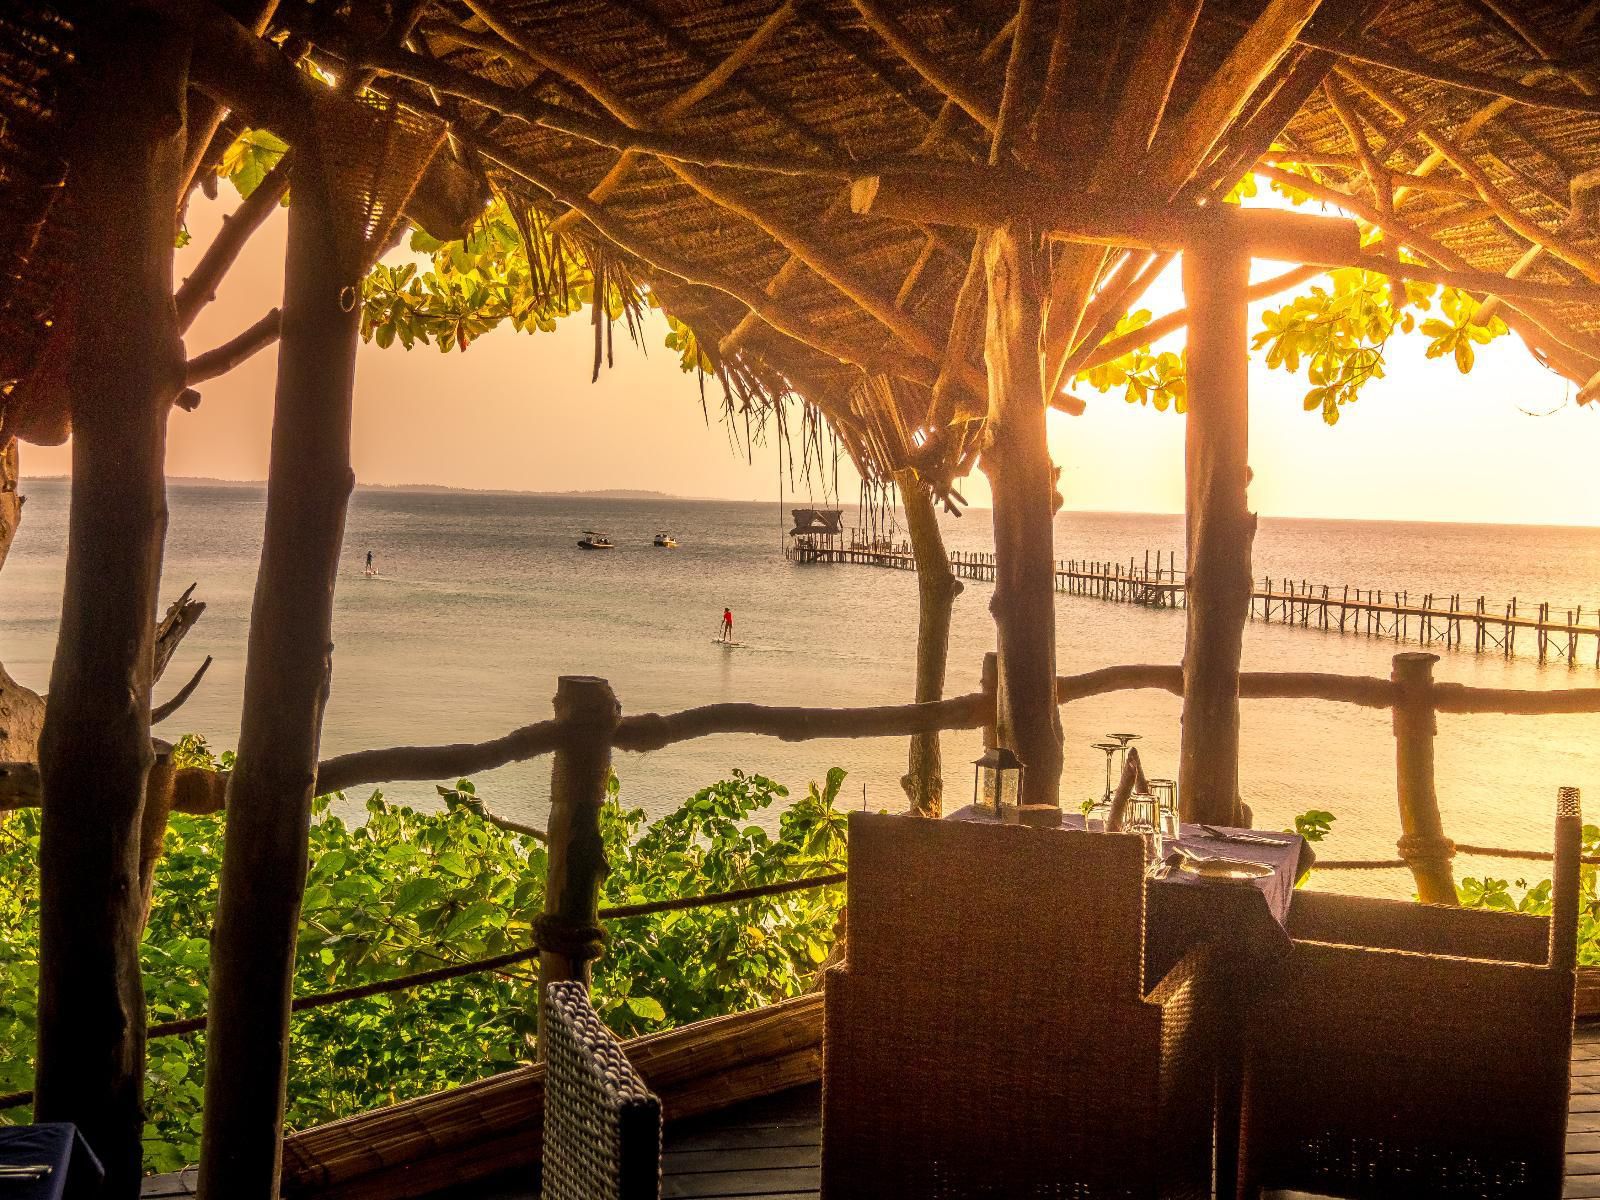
(940, 131)
(942, 77)
(1538, 326)
(776, 314)
(706, 86)
(1516, 90)
(1554, 242)
(820, 258)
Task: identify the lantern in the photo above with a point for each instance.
(997, 781)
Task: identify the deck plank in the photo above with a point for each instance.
(770, 1149)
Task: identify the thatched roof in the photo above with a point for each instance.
(706, 148)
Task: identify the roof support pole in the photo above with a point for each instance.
(123, 366)
(1220, 529)
(288, 666)
(937, 589)
(1017, 462)
(568, 930)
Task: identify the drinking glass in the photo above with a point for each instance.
(1143, 816)
(1166, 793)
(1095, 818)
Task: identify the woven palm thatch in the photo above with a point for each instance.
(375, 152)
(35, 59)
(705, 150)
(788, 288)
(1485, 161)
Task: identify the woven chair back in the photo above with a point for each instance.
(988, 1035)
(1564, 883)
(1381, 1064)
(602, 1126)
(1065, 906)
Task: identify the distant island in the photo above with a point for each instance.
(257, 484)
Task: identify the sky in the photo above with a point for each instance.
(518, 412)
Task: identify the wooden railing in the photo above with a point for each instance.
(589, 726)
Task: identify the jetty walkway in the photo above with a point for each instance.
(1453, 621)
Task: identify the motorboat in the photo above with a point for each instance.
(594, 541)
(667, 541)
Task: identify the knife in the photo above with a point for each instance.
(1247, 839)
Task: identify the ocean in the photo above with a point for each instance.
(483, 599)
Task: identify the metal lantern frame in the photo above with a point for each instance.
(1003, 765)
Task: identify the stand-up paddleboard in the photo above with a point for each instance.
(730, 645)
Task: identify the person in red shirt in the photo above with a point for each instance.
(727, 625)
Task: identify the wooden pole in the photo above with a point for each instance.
(10, 497)
(122, 370)
(1422, 842)
(1220, 530)
(288, 668)
(990, 684)
(568, 931)
(1017, 462)
(937, 589)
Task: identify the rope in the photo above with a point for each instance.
(1358, 864)
(497, 962)
(1531, 855)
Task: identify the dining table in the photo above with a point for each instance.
(47, 1161)
(1245, 922)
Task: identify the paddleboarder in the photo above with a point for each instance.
(727, 625)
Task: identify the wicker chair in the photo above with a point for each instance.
(1415, 1050)
(602, 1126)
(989, 1034)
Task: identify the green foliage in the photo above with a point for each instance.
(681, 966)
(1314, 824)
(509, 268)
(405, 891)
(1145, 378)
(247, 160)
(1339, 331)
(682, 339)
(1489, 892)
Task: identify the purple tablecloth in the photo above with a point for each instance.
(75, 1172)
(1245, 921)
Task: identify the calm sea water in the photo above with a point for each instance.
(484, 599)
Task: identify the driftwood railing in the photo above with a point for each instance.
(589, 726)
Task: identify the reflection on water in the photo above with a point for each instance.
(482, 600)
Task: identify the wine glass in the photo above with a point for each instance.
(1096, 817)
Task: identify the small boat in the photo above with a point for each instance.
(594, 541)
(666, 540)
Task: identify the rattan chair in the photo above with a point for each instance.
(602, 1126)
(1416, 1050)
(990, 1034)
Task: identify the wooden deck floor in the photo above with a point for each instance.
(770, 1149)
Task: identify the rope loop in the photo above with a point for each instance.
(577, 940)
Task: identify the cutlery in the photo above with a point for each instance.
(1247, 839)
(26, 1171)
(1197, 857)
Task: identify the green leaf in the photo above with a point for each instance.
(646, 1007)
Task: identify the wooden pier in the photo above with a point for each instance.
(1452, 621)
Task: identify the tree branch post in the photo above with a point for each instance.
(1017, 462)
(122, 373)
(288, 667)
(1422, 841)
(10, 497)
(1220, 530)
(568, 931)
(937, 589)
